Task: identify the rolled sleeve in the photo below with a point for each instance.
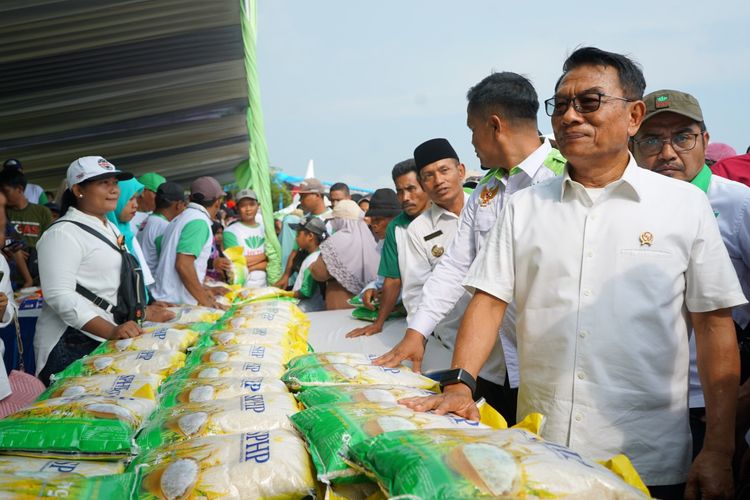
(58, 271)
(493, 271)
(711, 279)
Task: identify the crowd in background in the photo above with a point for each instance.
(562, 298)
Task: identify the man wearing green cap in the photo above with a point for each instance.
(147, 199)
(672, 141)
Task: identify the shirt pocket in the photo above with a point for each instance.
(484, 219)
(656, 275)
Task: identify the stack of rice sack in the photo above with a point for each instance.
(75, 439)
(222, 427)
(356, 431)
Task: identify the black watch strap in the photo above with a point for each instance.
(458, 376)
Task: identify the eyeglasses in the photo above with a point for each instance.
(582, 103)
(681, 143)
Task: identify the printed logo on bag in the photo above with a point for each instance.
(257, 447)
(254, 384)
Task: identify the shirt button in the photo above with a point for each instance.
(593, 217)
(579, 418)
(589, 254)
(583, 334)
(587, 292)
(580, 376)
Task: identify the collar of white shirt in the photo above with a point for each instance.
(627, 185)
(437, 212)
(200, 208)
(535, 160)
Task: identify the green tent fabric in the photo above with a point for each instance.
(254, 172)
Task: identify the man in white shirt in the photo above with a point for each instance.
(605, 276)
(186, 247)
(672, 141)
(441, 175)
(169, 203)
(147, 199)
(502, 117)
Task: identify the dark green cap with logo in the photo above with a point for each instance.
(672, 101)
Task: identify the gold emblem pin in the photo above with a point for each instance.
(646, 238)
(487, 194)
(437, 251)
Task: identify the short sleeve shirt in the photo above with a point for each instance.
(30, 222)
(389, 267)
(193, 237)
(603, 289)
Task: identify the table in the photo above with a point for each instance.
(328, 331)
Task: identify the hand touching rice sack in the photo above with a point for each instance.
(330, 429)
(444, 464)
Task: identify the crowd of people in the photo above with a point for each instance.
(600, 278)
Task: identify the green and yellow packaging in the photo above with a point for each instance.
(478, 463)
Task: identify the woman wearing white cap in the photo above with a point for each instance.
(71, 325)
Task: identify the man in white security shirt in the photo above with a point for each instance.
(672, 141)
(441, 176)
(502, 117)
(170, 202)
(186, 247)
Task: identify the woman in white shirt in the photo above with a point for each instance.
(70, 325)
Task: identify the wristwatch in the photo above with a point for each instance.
(458, 376)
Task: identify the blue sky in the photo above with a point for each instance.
(357, 85)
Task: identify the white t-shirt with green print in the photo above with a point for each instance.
(253, 239)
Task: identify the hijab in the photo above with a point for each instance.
(128, 189)
(350, 254)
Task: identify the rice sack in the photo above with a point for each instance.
(10, 464)
(129, 386)
(178, 391)
(323, 358)
(358, 394)
(276, 335)
(331, 428)
(87, 425)
(195, 314)
(246, 353)
(256, 465)
(238, 271)
(159, 339)
(263, 293)
(339, 373)
(460, 463)
(33, 485)
(249, 413)
(231, 369)
(161, 363)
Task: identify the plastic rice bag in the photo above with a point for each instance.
(511, 463)
(330, 429)
(248, 466)
(249, 413)
(130, 386)
(92, 425)
(358, 394)
(162, 363)
(246, 353)
(195, 314)
(232, 369)
(263, 293)
(160, 339)
(322, 358)
(338, 373)
(31, 485)
(10, 464)
(178, 391)
(272, 335)
(238, 272)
